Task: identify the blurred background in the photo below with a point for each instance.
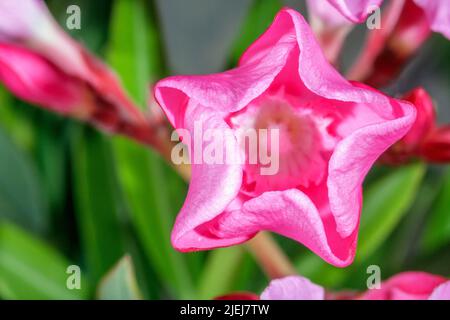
(70, 195)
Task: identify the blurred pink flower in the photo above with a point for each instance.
(331, 130)
(436, 11)
(332, 20)
(287, 288)
(442, 292)
(343, 11)
(293, 288)
(403, 286)
(329, 26)
(36, 80)
(438, 15)
(411, 286)
(436, 146)
(40, 63)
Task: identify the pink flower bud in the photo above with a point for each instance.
(425, 140)
(33, 78)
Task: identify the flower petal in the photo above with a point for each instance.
(34, 79)
(356, 11)
(212, 187)
(406, 286)
(426, 117)
(438, 15)
(317, 74)
(325, 13)
(441, 293)
(232, 90)
(436, 146)
(290, 213)
(389, 120)
(293, 288)
(18, 25)
(18, 19)
(353, 158)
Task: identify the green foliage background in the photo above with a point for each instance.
(70, 195)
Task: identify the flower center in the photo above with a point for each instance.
(289, 151)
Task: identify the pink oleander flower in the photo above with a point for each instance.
(293, 288)
(403, 286)
(331, 132)
(338, 12)
(411, 286)
(40, 63)
(287, 288)
(437, 12)
(426, 140)
(438, 15)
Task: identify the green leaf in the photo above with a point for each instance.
(437, 230)
(50, 153)
(30, 269)
(21, 199)
(386, 202)
(259, 19)
(145, 179)
(120, 282)
(151, 189)
(16, 120)
(3, 95)
(133, 47)
(97, 206)
(221, 270)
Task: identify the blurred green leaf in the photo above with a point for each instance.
(30, 269)
(145, 180)
(16, 121)
(386, 201)
(250, 276)
(437, 230)
(133, 46)
(221, 270)
(3, 95)
(96, 202)
(50, 153)
(144, 271)
(21, 200)
(120, 282)
(260, 17)
(150, 187)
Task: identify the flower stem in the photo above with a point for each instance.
(270, 257)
